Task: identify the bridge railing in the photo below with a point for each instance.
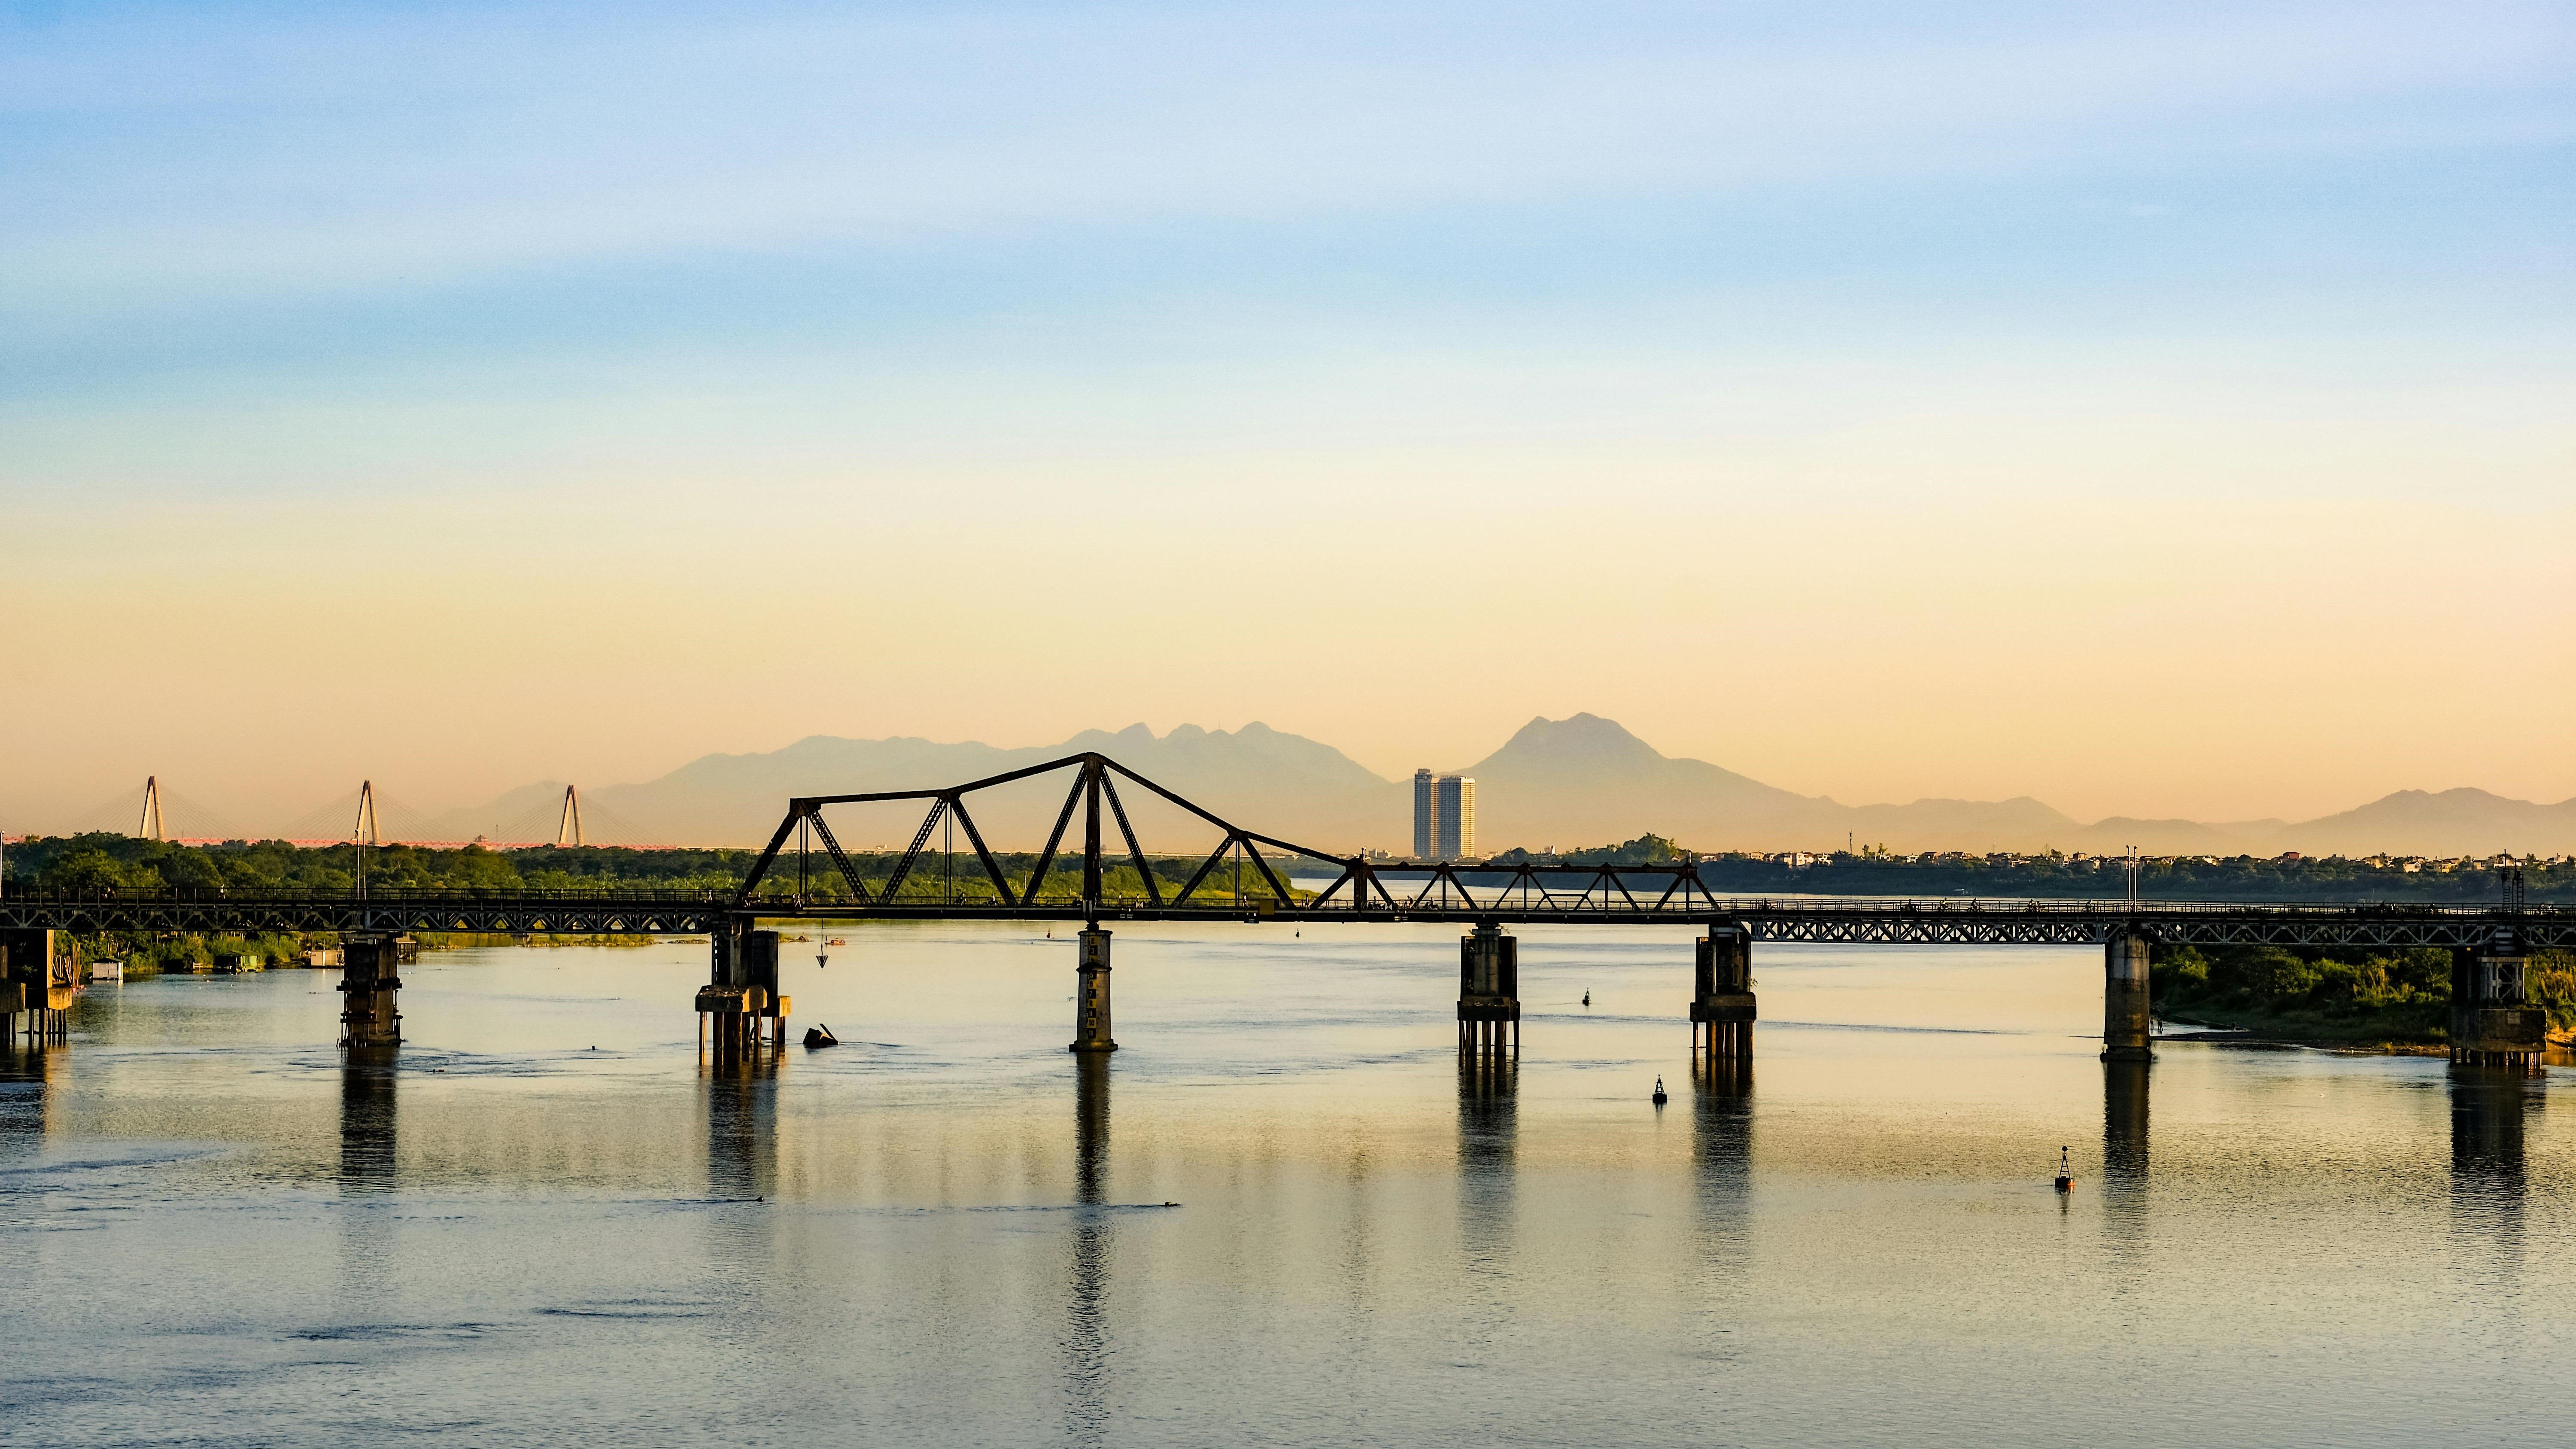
(220, 895)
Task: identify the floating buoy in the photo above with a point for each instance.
(1587, 998)
(2065, 1174)
(1660, 1098)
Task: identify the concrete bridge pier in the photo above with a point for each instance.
(1489, 992)
(740, 1006)
(2127, 1029)
(370, 977)
(37, 978)
(1091, 992)
(1721, 1009)
(2493, 1023)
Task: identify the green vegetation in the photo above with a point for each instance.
(1870, 872)
(1647, 849)
(88, 863)
(2311, 995)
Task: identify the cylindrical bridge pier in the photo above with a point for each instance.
(1091, 993)
(2127, 1027)
(1721, 1009)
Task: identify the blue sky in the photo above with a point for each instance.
(884, 268)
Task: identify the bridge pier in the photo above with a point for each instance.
(1489, 992)
(1091, 993)
(1721, 1009)
(370, 977)
(37, 979)
(2493, 1023)
(2127, 1029)
(741, 1001)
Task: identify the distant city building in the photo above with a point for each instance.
(1453, 818)
(1444, 816)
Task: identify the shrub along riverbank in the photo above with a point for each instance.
(2400, 998)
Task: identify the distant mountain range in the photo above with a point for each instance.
(1578, 781)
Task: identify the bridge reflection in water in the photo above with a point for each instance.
(742, 1132)
(1088, 1253)
(2489, 1110)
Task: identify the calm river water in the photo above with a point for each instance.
(549, 1225)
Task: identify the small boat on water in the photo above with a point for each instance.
(819, 1036)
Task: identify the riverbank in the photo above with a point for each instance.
(2312, 1029)
(2396, 1001)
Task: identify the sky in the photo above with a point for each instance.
(2159, 410)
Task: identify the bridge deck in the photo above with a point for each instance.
(1868, 920)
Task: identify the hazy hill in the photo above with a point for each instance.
(1587, 780)
(2451, 822)
(1578, 781)
(1264, 779)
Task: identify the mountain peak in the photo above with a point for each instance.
(1585, 740)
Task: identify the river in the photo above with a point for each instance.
(1276, 1217)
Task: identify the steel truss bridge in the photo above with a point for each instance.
(816, 879)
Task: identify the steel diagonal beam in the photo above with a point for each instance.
(921, 837)
(1623, 892)
(974, 837)
(760, 867)
(1286, 903)
(1214, 819)
(840, 861)
(1055, 837)
(1205, 866)
(1153, 892)
(1359, 894)
(987, 782)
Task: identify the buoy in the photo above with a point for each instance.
(2065, 1174)
(1587, 998)
(1659, 1092)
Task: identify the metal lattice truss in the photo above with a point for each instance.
(2172, 923)
(1530, 892)
(1095, 780)
(632, 913)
